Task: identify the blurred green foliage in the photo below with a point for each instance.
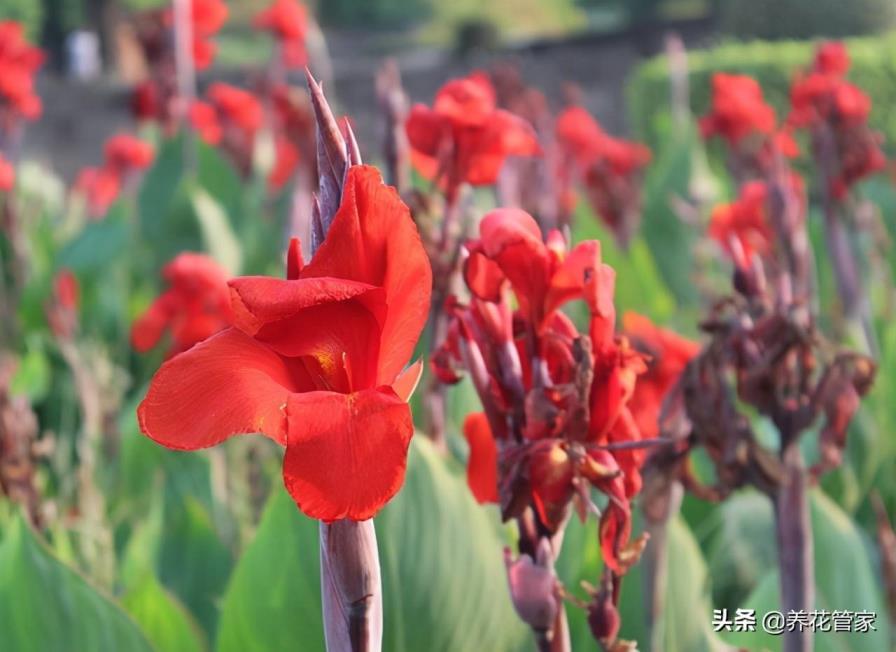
(28, 12)
(786, 19)
(773, 65)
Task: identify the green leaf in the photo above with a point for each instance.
(844, 577)
(685, 623)
(193, 562)
(166, 622)
(32, 377)
(217, 235)
(46, 606)
(444, 585)
(98, 243)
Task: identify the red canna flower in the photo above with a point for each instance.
(555, 402)
(19, 63)
(464, 138)
(125, 153)
(286, 161)
(100, 187)
(738, 109)
(668, 353)
(287, 21)
(742, 225)
(836, 113)
(236, 106)
(62, 309)
(610, 169)
(7, 175)
(204, 119)
(315, 362)
(831, 58)
(208, 17)
(146, 103)
(195, 306)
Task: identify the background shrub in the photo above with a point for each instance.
(782, 19)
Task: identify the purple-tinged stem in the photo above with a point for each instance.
(351, 589)
(795, 549)
(186, 72)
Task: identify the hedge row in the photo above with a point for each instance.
(774, 65)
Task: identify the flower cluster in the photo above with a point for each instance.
(230, 117)
(836, 114)
(195, 306)
(207, 18)
(287, 21)
(19, 63)
(124, 156)
(464, 137)
(157, 99)
(740, 116)
(316, 361)
(556, 417)
(610, 170)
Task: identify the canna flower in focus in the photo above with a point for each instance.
(19, 63)
(464, 137)
(611, 170)
(195, 306)
(555, 401)
(667, 354)
(316, 362)
(287, 21)
(124, 157)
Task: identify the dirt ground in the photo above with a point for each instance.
(78, 116)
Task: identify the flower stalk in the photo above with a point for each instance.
(351, 587)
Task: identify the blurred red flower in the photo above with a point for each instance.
(611, 170)
(315, 362)
(667, 354)
(208, 17)
(62, 309)
(7, 175)
(286, 161)
(464, 137)
(741, 227)
(19, 63)
(287, 21)
(124, 155)
(195, 306)
(738, 109)
(836, 113)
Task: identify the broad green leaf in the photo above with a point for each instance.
(32, 377)
(443, 578)
(670, 241)
(193, 562)
(845, 579)
(217, 235)
(98, 243)
(46, 606)
(166, 622)
(686, 620)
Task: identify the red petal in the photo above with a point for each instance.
(227, 385)
(346, 453)
(615, 529)
(512, 239)
(294, 261)
(482, 465)
(483, 276)
(426, 130)
(374, 240)
(407, 380)
(575, 274)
